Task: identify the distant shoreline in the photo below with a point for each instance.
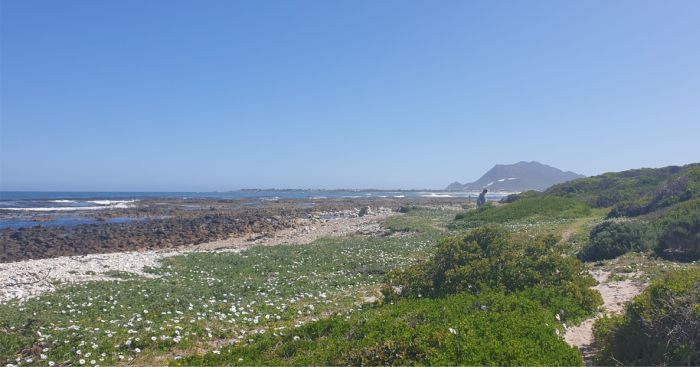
(68, 229)
(6, 197)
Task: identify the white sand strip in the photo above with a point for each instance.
(25, 279)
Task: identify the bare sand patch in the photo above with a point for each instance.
(615, 295)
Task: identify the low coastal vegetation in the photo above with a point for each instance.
(499, 285)
(655, 212)
(676, 189)
(480, 299)
(679, 237)
(622, 188)
(419, 220)
(660, 327)
(611, 239)
(673, 233)
(531, 209)
(648, 210)
(200, 299)
(488, 258)
(464, 329)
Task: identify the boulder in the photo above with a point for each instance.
(365, 210)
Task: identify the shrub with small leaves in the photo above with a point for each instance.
(491, 328)
(660, 327)
(680, 233)
(611, 239)
(531, 208)
(488, 258)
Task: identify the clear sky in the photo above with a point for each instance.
(218, 95)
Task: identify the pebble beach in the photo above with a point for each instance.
(21, 280)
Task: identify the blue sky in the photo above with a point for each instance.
(217, 95)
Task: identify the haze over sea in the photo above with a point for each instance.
(21, 209)
(85, 200)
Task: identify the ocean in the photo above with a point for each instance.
(39, 201)
(20, 209)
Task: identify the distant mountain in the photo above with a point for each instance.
(521, 176)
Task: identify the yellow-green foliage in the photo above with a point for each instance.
(634, 192)
(419, 220)
(677, 189)
(198, 298)
(488, 258)
(680, 232)
(660, 327)
(537, 208)
(488, 329)
(611, 239)
(482, 299)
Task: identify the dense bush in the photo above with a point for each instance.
(534, 208)
(465, 329)
(634, 192)
(487, 258)
(482, 299)
(680, 232)
(611, 239)
(660, 327)
(677, 189)
(522, 195)
(630, 208)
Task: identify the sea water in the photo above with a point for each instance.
(54, 208)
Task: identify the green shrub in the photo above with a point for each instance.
(630, 208)
(680, 232)
(677, 189)
(418, 219)
(660, 327)
(522, 195)
(611, 239)
(532, 207)
(285, 281)
(486, 329)
(634, 192)
(487, 258)
(613, 187)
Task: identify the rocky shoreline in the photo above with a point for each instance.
(26, 279)
(171, 224)
(161, 233)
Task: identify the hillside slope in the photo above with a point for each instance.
(635, 191)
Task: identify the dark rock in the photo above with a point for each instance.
(365, 210)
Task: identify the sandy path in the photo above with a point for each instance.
(615, 294)
(25, 279)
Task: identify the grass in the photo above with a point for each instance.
(421, 220)
(488, 329)
(528, 210)
(200, 299)
(612, 188)
(203, 302)
(641, 266)
(120, 274)
(660, 327)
